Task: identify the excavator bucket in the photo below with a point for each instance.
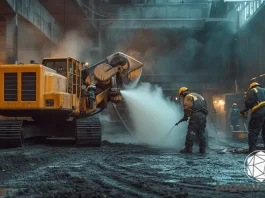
(106, 69)
(135, 66)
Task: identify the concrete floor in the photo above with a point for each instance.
(121, 170)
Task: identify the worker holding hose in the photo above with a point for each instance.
(195, 108)
(255, 100)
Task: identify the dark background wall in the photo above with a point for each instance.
(250, 50)
(2, 39)
(203, 56)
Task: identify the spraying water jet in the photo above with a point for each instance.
(152, 115)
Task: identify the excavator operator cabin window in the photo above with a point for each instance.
(58, 65)
(78, 79)
(70, 76)
(74, 77)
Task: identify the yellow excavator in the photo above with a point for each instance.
(61, 97)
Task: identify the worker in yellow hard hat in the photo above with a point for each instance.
(234, 117)
(255, 100)
(195, 108)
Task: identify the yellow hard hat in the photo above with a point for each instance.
(254, 84)
(182, 89)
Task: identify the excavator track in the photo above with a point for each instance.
(11, 133)
(88, 132)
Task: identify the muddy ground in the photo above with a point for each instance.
(120, 170)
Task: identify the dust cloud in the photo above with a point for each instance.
(153, 116)
(74, 45)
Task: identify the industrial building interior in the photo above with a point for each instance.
(213, 47)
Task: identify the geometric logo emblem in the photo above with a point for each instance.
(255, 166)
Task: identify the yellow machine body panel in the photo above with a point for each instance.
(33, 86)
(135, 74)
(56, 97)
(56, 84)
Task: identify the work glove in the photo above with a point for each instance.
(182, 120)
(244, 113)
(177, 123)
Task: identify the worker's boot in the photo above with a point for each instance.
(186, 150)
(202, 150)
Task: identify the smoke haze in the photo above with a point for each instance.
(74, 45)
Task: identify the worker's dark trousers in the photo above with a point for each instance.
(235, 125)
(256, 124)
(197, 125)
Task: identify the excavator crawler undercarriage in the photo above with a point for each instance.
(86, 131)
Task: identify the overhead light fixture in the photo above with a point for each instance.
(221, 102)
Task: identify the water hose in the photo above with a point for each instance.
(125, 125)
(114, 107)
(213, 124)
(169, 132)
(215, 132)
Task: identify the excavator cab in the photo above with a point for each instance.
(70, 68)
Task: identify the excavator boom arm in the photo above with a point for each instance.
(102, 81)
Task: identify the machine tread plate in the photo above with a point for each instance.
(10, 133)
(88, 132)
